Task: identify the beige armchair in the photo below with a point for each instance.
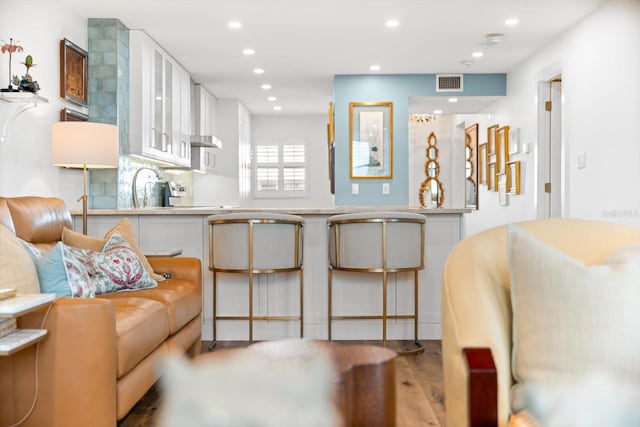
(476, 311)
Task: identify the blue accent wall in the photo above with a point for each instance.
(396, 88)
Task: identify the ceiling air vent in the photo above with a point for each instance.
(449, 83)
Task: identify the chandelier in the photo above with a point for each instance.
(422, 118)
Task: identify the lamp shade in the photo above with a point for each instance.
(84, 144)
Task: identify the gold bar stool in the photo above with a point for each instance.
(255, 243)
(378, 242)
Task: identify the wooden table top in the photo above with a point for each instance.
(365, 386)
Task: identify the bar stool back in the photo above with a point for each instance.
(254, 243)
(377, 242)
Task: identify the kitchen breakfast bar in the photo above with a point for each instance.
(187, 229)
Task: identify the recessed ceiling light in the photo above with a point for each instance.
(510, 22)
(374, 68)
(272, 98)
(494, 38)
(437, 111)
(277, 108)
(235, 25)
(258, 71)
(467, 62)
(248, 51)
(453, 100)
(477, 54)
(266, 86)
(392, 23)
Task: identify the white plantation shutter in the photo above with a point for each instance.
(293, 153)
(267, 154)
(267, 179)
(293, 179)
(280, 170)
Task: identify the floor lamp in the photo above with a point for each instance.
(84, 145)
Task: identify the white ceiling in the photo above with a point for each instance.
(302, 44)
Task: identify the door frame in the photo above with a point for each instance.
(543, 147)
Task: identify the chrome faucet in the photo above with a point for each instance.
(134, 183)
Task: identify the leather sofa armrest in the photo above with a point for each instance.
(184, 268)
(476, 313)
(483, 387)
(76, 366)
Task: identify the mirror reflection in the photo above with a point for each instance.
(471, 166)
(431, 194)
(432, 169)
(470, 192)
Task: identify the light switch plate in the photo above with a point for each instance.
(385, 188)
(582, 161)
(355, 188)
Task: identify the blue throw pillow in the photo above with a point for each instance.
(60, 276)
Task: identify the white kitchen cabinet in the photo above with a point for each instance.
(157, 99)
(203, 159)
(182, 117)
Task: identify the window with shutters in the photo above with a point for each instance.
(280, 170)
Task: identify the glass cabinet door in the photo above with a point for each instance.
(168, 106)
(158, 83)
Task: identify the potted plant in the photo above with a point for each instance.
(27, 83)
(10, 48)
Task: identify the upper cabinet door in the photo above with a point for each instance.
(159, 103)
(182, 116)
(157, 126)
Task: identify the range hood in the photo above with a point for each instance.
(207, 141)
(203, 118)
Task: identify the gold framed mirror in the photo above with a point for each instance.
(370, 140)
(431, 193)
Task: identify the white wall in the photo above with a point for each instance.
(313, 130)
(25, 167)
(600, 65)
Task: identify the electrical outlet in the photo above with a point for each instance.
(385, 188)
(355, 188)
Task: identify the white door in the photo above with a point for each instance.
(550, 188)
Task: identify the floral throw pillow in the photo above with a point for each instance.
(118, 268)
(73, 272)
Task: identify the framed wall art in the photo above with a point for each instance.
(502, 148)
(331, 130)
(67, 115)
(331, 163)
(73, 73)
(513, 177)
(514, 140)
(502, 189)
(483, 164)
(370, 140)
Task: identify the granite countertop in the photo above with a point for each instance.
(212, 210)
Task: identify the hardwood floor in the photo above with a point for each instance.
(417, 377)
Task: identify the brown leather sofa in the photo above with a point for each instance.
(101, 355)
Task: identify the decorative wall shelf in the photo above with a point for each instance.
(24, 100)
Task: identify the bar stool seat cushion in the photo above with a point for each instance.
(360, 240)
(274, 244)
